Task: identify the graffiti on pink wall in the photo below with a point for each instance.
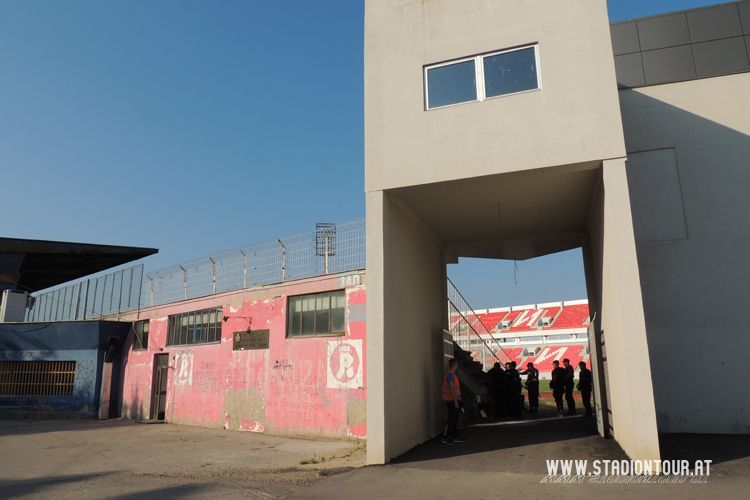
(311, 385)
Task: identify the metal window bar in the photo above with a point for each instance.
(37, 378)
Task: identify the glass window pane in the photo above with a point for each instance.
(338, 312)
(308, 322)
(322, 318)
(296, 323)
(510, 72)
(451, 84)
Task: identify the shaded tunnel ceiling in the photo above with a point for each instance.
(517, 215)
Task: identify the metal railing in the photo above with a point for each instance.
(285, 259)
(470, 333)
(106, 295)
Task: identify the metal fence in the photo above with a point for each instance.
(470, 333)
(105, 295)
(285, 259)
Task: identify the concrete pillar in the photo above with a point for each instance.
(405, 320)
(377, 452)
(615, 292)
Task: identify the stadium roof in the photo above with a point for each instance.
(33, 265)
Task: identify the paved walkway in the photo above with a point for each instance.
(118, 459)
(508, 461)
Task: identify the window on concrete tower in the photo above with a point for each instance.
(482, 77)
(510, 72)
(451, 84)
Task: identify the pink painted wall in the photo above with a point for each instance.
(296, 386)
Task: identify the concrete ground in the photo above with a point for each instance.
(118, 459)
(507, 460)
(113, 459)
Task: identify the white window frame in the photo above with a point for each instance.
(479, 76)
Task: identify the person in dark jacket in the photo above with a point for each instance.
(497, 387)
(585, 384)
(557, 384)
(513, 390)
(532, 386)
(570, 382)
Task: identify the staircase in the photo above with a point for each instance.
(472, 337)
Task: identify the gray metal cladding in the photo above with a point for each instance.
(663, 31)
(629, 69)
(668, 65)
(721, 21)
(719, 57)
(744, 8)
(625, 38)
(680, 46)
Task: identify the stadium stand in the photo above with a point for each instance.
(538, 333)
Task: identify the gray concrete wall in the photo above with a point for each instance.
(689, 175)
(405, 310)
(573, 118)
(615, 296)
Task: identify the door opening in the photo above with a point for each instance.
(159, 397)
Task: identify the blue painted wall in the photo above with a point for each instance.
(84, 342)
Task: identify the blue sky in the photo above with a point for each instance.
(199, 126)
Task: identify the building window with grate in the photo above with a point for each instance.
(319, 314)
(37, 378)
(196, 327)
(140, 335)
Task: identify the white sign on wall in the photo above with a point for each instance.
(183, 368)
(344, 364)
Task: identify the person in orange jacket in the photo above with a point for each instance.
(452, 398)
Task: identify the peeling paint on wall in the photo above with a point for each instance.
(282, 389)
(243, 410)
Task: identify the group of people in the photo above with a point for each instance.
(507, 391)
(562, 383)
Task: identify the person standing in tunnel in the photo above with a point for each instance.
(497, 380)
(532, 386)
(585, 383)
(515, 402)
(452, 400)
(557, 384)
(570, 382)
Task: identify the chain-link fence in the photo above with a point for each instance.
(285, 259)
(105, 295)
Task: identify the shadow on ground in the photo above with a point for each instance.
(15, 427)
(515, 447)
(719, 448)
(12, 489)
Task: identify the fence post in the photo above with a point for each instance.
(151, 287)
(184, 280)
(213, 274)
(244, 268)
(119, 301)
(283, 260)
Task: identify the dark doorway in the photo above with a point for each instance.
(159, 398)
